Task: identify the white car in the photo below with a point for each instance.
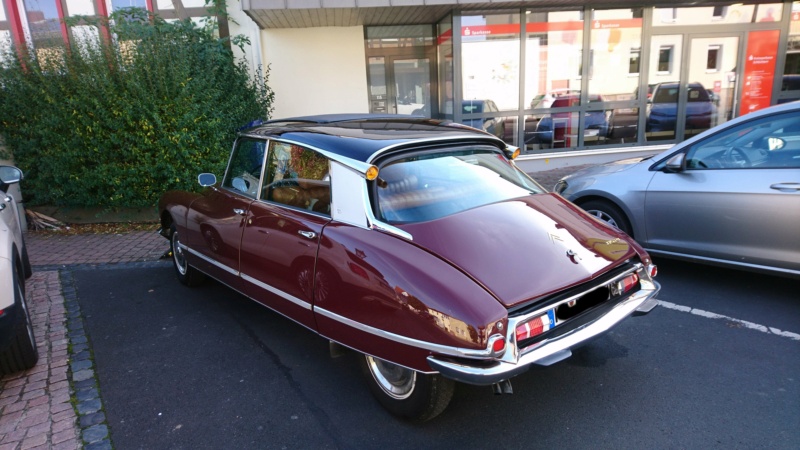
(17, 344)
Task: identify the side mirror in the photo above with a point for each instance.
(775, 143)
(10, 175)
(675, 164)
(207, 179)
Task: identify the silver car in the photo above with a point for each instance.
(728, 196)
(17, 345)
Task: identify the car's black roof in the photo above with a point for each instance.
(360, 136)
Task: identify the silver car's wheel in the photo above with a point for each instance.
(609, 213)
(405, 392)
(187, 274)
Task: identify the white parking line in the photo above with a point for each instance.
(744, 323)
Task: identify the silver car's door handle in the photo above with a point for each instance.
(308, 234)
(238, 211)
(786, 187)
(8, 199)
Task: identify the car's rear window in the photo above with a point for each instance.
(428, 186)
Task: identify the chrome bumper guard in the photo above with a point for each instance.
(549, 351)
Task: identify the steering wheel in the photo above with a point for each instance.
(736, 157)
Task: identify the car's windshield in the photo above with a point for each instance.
(427, 186)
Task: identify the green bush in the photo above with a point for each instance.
(117, 124)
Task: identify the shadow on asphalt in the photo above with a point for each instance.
(207, 368)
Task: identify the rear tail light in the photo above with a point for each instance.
(653, 270)
(628, 283)
(536, 326)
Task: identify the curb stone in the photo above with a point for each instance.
(88, 405)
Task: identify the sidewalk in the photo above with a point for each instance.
(36, 409)
(36, 406)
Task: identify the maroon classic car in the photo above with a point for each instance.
(414, 242)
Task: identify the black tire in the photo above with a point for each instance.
(609, 213)
(407, 393)
(187, 274)
(21, 353)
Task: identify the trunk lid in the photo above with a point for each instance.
(525, 248)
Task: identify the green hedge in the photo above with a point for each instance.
(116, 125)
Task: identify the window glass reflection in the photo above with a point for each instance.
(552, 57)
(616, 40)
(490, 62)
(121, 4)
(43, 22)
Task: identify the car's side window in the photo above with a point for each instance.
(244, 169)
(297, 177)
(772, 142)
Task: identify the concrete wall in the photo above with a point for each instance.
(316, 70)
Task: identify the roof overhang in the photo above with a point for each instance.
(345, 13)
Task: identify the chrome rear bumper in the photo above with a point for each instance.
(548, 351)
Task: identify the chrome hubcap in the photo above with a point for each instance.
(177, 254)
(396, 381)
(603, 216)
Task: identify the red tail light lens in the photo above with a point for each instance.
(498, 345)
(536, 326)
(629, 283)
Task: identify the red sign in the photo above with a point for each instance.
(545, 27)
(759, 70)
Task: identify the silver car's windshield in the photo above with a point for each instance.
(427, 186)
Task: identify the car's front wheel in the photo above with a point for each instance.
(609, 213)
(21, 353)
(187, 274)
(405, 392)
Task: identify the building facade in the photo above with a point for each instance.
(556, 77)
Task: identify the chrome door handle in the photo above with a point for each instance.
(8, 199)
(786, 187)
(238, 211)
(308, 234)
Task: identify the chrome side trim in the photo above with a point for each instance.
(430, 346)
(727, 263)
(301, 303)
(209, 260)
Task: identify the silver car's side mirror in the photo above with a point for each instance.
(675, 164)
(207, 179)
(10, 175)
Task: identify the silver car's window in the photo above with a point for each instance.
(297, 177)
(428, 186)
(244, 168)
(769, 142)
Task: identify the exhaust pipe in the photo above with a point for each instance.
(502, 387)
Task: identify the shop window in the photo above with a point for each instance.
(665, 59)
(713, 58)
(44, 24)
(634, 61)
(552, 57)
(116, 5)
(490, 59)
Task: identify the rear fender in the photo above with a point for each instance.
(384, 296)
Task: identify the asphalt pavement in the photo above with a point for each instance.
(205, 367)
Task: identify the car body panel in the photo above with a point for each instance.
(494, 235)
(703, 211)
(714, 209)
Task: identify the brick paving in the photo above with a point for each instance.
(36, 406)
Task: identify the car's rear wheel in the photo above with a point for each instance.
(405, 392)
(609, 213)
(21, 353)
(187, 274)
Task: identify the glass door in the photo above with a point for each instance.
(402, 84)
(692, 84)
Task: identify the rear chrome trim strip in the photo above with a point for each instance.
(437, 348)
(301, 303)
(209, 260)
